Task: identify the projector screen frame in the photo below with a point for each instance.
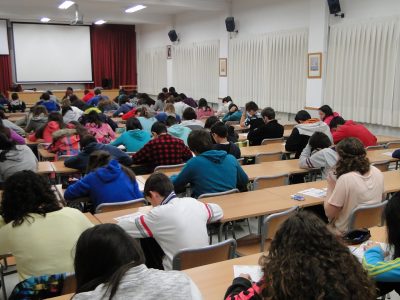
(54, 82)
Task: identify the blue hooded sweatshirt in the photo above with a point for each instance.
(108, 184)
(212, 171)
(180, 132)
(133, 140)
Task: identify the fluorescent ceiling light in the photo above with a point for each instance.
(100, 22)
(66, 4)
(135, 8)
(45, 20)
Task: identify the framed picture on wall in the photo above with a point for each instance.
(314, 65)
(223, 67)
(169, 52)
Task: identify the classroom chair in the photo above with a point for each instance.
(210, 195)
(169, 168)
(393, 145)
(288, 126)
(383, 166)
(270, 226)
(264, 182)
(107, 207)
(195, 257)
(7, 267)
(377, 147)
(267, 157)
(273, 141)
(366, 216)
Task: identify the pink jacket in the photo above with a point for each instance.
(203, 113)
(104, 134)
(328, 120)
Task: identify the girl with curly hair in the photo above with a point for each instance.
(353, 183)
(306, 261)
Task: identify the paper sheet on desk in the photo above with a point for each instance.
(358, 251)
(141, 211)
(388, 154)
(318, 193)
(255, 272)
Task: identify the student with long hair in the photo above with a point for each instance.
(134, 138)
(353, 182)
(306, 261)
(37, 118)
(160, 103)
(145, 118)
(204, 110)
(326, 114)
(169, 111)
(69, 112)
(99, 129)
(54, 123)
(123, 274)
(36, 229)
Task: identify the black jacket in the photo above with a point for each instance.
(296, 142)
(271, 130)
(230, 148)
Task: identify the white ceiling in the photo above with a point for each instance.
(157, 11)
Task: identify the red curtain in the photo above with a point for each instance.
(114, 54)
(5, 73)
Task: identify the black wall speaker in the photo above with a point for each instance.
(172, 35)
(230, 24)
(106, 83)
(334, 6)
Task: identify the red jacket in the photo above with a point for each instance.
(129, 114)
(352, 129)
(87, 97)
(51, 127)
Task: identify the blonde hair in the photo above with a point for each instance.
(170, 108)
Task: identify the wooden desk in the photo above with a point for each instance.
(108, 217)
(243, 136)
(254, 150)
(59, 168)
(45, 167)
(378, 234)
(92, 218)
(239, 128)
(44, 154)
(392, 181)
(384, 139)
(379, 156)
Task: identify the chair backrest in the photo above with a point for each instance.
(288, 126)
(366, 216)
(377, 147)
(393, 145)
(266, 157)
(107, 207)
(272, 223)
(272, 141)
(210, 195)
(169, 168)
(242, 144)
(195, 257)
(264, 182)
(383, 166)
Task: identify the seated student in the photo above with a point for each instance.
(251, 117)
(177, 130)
(100, 130)
(342, 129)
(169, 110)
(145, 118)
(15, 158)
(165, 92)
(162, 150)
(204, 111)
(70, 113)
(108, 106)
(3, 100)
(270, 130)
(318, 154)
(233, 114)
(386, 273)
(173, 92)
(76, 102)
(211, 171)
(106, 182)
(123, 275)
(88, 145)
(326, 114)
(301, 133)
(328, 269)
(87, 95)
(96, 99)
(187, 100)
(190, 119)
(65, 142)
(356, 183)
(223, 109)
(11, 134)
(145, 99)
(68, 93)
(11, 125)
(175, 223)
(45, 133)
(160, 103)
(50, 104)
(103, 118)
(37, 118)
(36, 229)
(125, 106)
(179, 105)
(16, 104)
(232, 135)
(219, 132)
(134, 138)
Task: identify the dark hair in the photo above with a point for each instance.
(97, 92)
(352, 157)
(227, 99)
(170, 121)
(133, 123)
(251, 106)
(232, 105)
(306, 261)
(336, 121)
(5, 130)
(3, 115)
(392, 218)
(143, 112)
(183, 96)
(268, 112)
(52, 117)
(161, 97)
(159, 127)
(319, 140)
(27, 193)
(210, 122)
(220, 129)
(302, 115)
(80, 129)
(110, 241)
(6, 145)
(45, 96)
(164, 90)
(327, 110)
(189, 114)
(93, 117)
(86, 91)
(39, 109)
(199, 141)
(73, 98)
(100, 158)
(86, 140)
(122, 99)
(70, 89)
(172, 90)
(160, 183)
(203, 103)
(14, 96)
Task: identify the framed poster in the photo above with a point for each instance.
(169, 52)
(223, 67)
(314, 65)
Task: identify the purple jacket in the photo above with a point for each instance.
(17, 138)
(190, 102)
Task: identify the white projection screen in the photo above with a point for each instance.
(3, 38)
(52, 53)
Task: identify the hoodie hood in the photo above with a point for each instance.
(110, 172)
(216, 156)
(138, 134)
(40, 118)
(314, 125)
(178, 130)
(63, 133)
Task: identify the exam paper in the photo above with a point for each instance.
(255, 271)
(317, 193)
